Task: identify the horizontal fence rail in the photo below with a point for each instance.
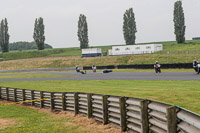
(133, 115)
(144, 66)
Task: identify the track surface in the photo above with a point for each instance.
(183, 76)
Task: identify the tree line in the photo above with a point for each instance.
(129, 29)
(22, 45)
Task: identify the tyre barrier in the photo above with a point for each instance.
(133, 115)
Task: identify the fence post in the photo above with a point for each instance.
(32, 97)
(171, 120)
(144, 116)
(15, 95)
(23, 95)
(76, 103)
(52, 100)
(0, 92)
(63, 102)
(122, 103)
(7, 94)
(105, 109)
(41, 101)
(89, 102)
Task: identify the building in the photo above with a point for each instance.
(91, 52)
(135, 49)
(196, 38)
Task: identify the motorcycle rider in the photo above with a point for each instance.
(195, 65)
(94, 68)
(157, 66)
(77, 69)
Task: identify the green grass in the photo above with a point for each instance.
(32, 76)
(42, 53)
(182, 93)
(60, 62)
(33, 121)
(70, 57)
(76, 51)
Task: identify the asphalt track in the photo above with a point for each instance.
(181, 76)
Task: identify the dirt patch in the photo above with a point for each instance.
(6, 123)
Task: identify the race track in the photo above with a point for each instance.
(182, 76)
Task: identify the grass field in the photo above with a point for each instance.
(76, 51)
(70, 57)
(182, 93)
(59, 62)
(29, 120)
(34, 120)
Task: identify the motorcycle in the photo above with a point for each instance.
(157, 68)
(94, 69)
(197, 68)
(77, 69)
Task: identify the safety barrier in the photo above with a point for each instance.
(134, 115)
(144, 66)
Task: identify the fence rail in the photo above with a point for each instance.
(130, 114)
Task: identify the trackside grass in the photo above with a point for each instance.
(32, 121)
(182, 93)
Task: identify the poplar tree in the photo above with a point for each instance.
(129, 27)
(179, 22)
(4, 36)
(38, 34)
(83, 31)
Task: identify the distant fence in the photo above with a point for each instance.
(99, 67)
(128, 113)
(143, 66)
(185, 52)
(177, 52)
(151, 66)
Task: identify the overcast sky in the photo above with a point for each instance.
(154, 20)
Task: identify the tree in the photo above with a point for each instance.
(4, 36)
(21, 45)
(38, 34)
(129, 27)
(83, 31)
(179, 22)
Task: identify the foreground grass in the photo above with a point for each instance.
(33, 121)
(182, 93)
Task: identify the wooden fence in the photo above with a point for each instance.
(130, 114)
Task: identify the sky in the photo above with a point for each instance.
(154, 20)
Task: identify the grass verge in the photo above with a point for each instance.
(36, 120)
(182, 93)
(33, 121)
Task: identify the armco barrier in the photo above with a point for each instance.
(144, 66)
(99, 67)
(130, 114)
(151, 66)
